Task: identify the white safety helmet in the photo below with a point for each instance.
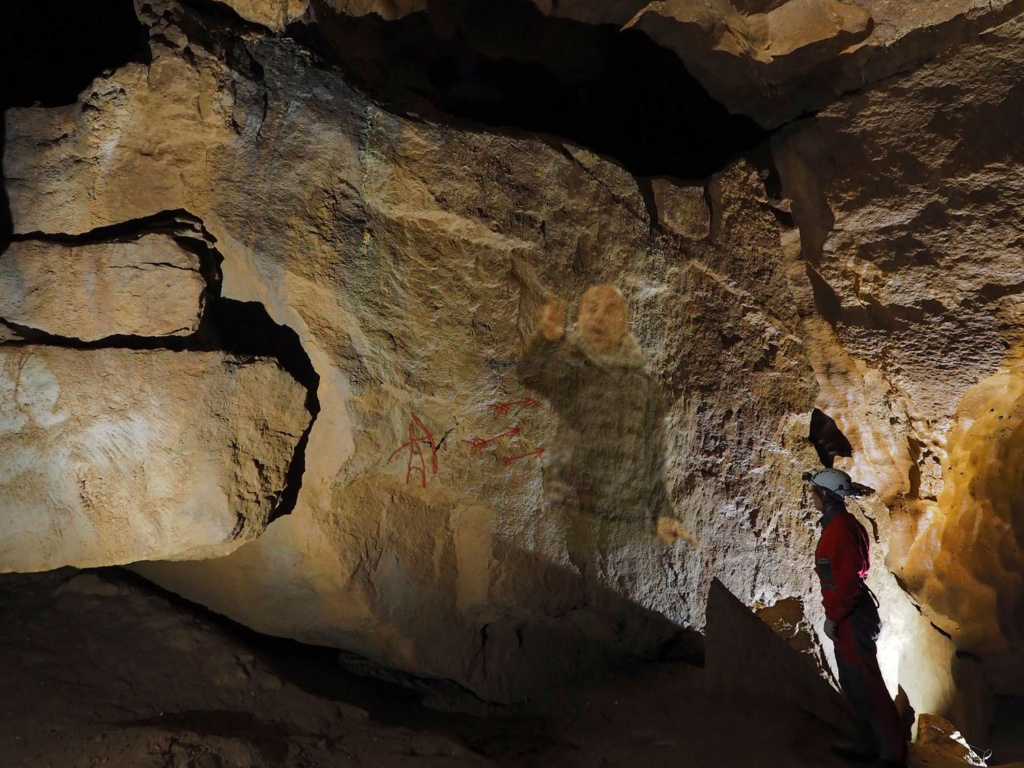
(834, 481)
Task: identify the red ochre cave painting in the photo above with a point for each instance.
(507, 460)
(479, 443)
(416, 441)
(416, 450)
(502, 408)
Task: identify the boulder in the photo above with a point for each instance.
(746, 657)
(274, 14)
(146, 287)
(111, 456)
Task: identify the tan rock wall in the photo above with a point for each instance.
(109, 456)
(411, 259)
(391, 246)
(149, 287)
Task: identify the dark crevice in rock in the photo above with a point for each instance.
(826, 300)
(646, 188)
(167, 222)
(508, 66)
(51, 49)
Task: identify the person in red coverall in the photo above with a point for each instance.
(852, 623)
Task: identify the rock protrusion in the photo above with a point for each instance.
(108, 456)
(146, 287)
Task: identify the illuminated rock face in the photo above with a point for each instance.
(908, 214)
(275, 14)
(108, 456)
(146, 287)
(967, 562)
(411, 259)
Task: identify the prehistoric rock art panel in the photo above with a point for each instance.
(363, 215)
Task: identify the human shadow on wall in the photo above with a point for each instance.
(605, 468)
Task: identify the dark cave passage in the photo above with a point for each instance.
(51, 49)
(508, 66)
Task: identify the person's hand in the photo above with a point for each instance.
(830, 630)
(671, 530)
(551, 320)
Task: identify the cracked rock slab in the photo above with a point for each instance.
(149, 287)
(108, 456)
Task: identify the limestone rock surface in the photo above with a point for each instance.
(940, 745)
(412, 258)
(111, 456)
(798, 56)
(147, 287)
(274, 14)
(907, 212)
(386, 9)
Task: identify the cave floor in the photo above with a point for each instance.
(98, 670)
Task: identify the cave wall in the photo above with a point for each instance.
(907, 209)
(864, 262)
(388, 245)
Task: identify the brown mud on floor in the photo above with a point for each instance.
(97, 669)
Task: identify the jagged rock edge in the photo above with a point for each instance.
(174, 223)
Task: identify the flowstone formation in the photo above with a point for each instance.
(411, 257)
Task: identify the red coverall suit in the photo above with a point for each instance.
(842, 563)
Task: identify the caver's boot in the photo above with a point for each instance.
(857, 751)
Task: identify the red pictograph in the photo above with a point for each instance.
(479, 443)
(502, 408)
(416, 450)
(507, 461)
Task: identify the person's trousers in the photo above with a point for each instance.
(878, 722)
